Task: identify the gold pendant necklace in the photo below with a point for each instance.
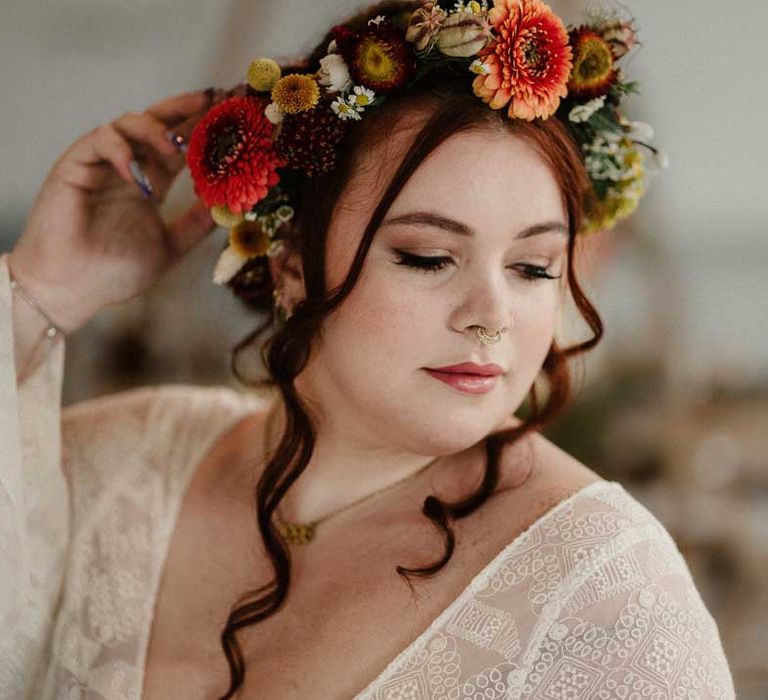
(304, 533)
(296, 533)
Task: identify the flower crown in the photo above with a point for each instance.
(523, 59)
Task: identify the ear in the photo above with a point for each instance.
(288, 276)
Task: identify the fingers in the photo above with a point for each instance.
(174, 110)
(178, 120)
(104, 143)
(190, 227)
(146, 129)
(142, 136)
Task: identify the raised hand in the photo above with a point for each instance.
(93, 237)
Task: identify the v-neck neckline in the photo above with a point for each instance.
(171, 522)
(475, 583)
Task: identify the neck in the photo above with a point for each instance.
(342, 471)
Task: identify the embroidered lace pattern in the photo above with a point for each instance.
(593, 600)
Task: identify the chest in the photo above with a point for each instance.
(347, 615)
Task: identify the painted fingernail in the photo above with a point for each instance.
(142, 179)
(177, 140)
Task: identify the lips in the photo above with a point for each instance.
(471, 368)
(465, 382)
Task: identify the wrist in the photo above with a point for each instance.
(53, 305)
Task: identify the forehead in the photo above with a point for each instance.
(483, 177)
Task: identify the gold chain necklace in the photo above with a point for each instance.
(303, 533)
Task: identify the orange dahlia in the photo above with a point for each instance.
(529, 60)
(231, 157)
(593, 65)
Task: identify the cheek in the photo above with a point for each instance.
(534, 327)
(386, 319)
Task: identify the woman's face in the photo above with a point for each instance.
(369, 373)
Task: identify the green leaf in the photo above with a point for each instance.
(603, 120)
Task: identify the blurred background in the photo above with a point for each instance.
(673, 403)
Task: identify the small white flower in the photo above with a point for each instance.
(334, 73)
(284, 213)
(273, 113)
(361, 97)
(228, 266)
(377, 20)
(640, 130)
(343, 109)
(477, 66)
(582, 113)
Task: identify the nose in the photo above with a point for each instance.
(488, 302)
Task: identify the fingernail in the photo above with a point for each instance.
(177, 140)
(142, 179)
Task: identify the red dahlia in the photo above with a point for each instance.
(231, 157)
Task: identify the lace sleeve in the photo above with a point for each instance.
(34, 525)
(633, 625)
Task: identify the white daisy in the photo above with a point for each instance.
(344, 109)
(477, 66)
(361, 98)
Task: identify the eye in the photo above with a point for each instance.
(422, 263)
(536, 272)
(531, 273)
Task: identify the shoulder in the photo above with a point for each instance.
(621, 605)
(535, 475)
(150, 426)
(629, 602)
(138, 410)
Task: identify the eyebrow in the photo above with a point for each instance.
(425, 218)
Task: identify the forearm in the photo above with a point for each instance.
(33, 332)
(31, 342)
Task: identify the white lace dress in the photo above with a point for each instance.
(593, 600)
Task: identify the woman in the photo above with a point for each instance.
(181, 541)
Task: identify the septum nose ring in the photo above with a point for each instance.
(488, 339)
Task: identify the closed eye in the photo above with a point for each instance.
(530, 273)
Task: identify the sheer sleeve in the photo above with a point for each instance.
(33, 503)
(633, 624)
(89, 494)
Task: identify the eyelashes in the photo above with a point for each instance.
(530, 273)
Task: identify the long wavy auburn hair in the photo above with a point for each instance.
(449, 106)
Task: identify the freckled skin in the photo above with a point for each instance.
(382, 416)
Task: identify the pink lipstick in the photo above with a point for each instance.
(468, 377)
